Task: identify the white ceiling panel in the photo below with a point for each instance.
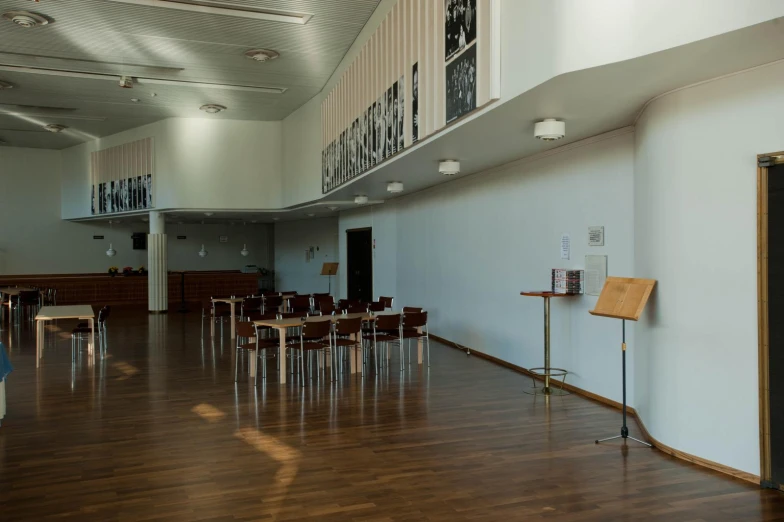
(105, 37)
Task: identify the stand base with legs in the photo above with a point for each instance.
(624, 429)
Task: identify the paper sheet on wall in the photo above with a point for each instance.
(566, 246)
(595, 274)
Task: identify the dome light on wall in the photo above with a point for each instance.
(449, 167)
(360, 200)
(395, 187)
(550, 129)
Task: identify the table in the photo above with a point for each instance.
(13, 291)
(233, 303)
(282, 324)
(52, 313)
(547, 371)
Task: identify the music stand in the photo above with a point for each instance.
(329, 269)
(623, 298)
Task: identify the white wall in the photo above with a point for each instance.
(383, 220)
(302, 154)
(292, 238)
(695, 229)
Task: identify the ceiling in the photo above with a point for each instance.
(113, 38)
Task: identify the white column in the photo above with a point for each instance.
(157, 266)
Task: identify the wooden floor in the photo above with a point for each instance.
(159, 431)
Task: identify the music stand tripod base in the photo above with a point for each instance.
(548, 388)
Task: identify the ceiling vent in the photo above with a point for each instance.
(5, 85)
(26, 19)
(262, 55)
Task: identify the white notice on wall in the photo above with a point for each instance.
(595, 236)
(595, 274)
(566, 246)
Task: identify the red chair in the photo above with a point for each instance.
(246, 331)
(410, 329)
(386, 331)
(314, 336)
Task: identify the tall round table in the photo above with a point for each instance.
(547, 372)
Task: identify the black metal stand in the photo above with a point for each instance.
(183, 309)
(624, 430)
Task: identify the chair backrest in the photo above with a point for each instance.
(387, 322)
(269, 293)
(251, 303)
(376, 306)
(108, 310)
(300, 301)
(290, 315)
(252, 316)
(414, 319)
(387, 301)
(327, 308)
(220, 306)
(316, 329)
(28, 296)
(272, 301)
(343, 304)
(346, 326)
(411, 310)
(290, 292)
(246, 330)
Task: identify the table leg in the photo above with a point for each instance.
(353, 355)
(282, 356)
(38, 341)
(233, 325)
(92, 336)
(547, 345)
(253, 362)
(420, 347)
(212, 323)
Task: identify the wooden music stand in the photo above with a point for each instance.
(623, 298)
(329, 269)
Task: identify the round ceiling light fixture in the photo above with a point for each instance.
(333, 209)
(275, 219)
(449, 167)
(212, 108)
(55, 127)
(550, 129)
(311, 215)
(203, 252)
(244, 252)
(208, 214)
(4, 86)
(262, 55)
(360, 200)
(26, 19)
(135, 100)
(395, 187)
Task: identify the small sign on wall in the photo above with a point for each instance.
(97, 237)
(595, 236)
(182, 237)
(566, 246)
(223, 239)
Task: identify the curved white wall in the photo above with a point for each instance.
(695, 231)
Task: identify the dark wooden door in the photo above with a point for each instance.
(359, 244)
(776, 319)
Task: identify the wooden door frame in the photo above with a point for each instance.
(763, 320)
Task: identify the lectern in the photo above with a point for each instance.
(623, 298)
(329, 269)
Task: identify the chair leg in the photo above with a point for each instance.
(427, 341)
(236, 363)
(302, 367)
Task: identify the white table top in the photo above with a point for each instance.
(12, 290)
(228, 300)
(65, 312)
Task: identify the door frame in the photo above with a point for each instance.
(372, 259)
(763, 319)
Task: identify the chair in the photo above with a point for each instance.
(251, 304)
(345, 329)
(344, 304)
(411, 310)
(327, 307)
(412, 324)
(245, 332)
(387, 301)
(27, 300)
(314, 336)
(300, 303)
(218, 312)
(82, 332)
(386, 330)
(376, 306)
(360, 308)
(271, 303)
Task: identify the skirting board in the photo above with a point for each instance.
(749, 477)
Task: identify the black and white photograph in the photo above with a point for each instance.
(395, 115)
(92, 200)
(107, 198)
(389, 123)
(135, 194)
(142, 202)
(381, 128)
(401, 95)
(415, 102)
(374, 156)
(460, 25)
(357, 134)
(100, 199)
(115, 188)
(352, 156)
(148, 189)
(461, 85)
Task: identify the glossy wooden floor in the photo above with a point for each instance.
(159, 431)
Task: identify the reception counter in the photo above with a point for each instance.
(101, 289)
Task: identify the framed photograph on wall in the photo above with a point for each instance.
(401, 133)
(415, 102)
(461, 85)
(459, 25)
(390, 126)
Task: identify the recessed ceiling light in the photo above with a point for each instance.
(360, 200)
(275, 219)
(55, 127)
(208, 214)
(226, 9)
(311, 215)
(333, 208)
(126, 82)
(212, 108)
(5, 85)
(262, 55)
(153, 94)
(26, 19)
(135, 100)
